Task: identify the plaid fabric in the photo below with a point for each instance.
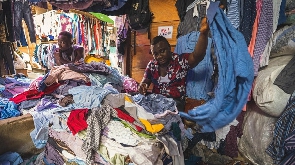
(283, 127)
(98, 119)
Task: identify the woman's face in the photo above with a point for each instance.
(64, 43)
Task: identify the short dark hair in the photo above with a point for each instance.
(67, 34)
(158, 39)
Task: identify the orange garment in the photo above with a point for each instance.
(96, 30)
(251, 46)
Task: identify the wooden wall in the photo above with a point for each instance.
(165, 14)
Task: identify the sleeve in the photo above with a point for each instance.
(148, 71)
(184, 59)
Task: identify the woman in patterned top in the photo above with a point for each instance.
(67, 52)
(167, 71)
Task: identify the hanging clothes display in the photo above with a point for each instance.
(21, 9)
(6, 56)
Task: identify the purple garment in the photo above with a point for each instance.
(68, 84)
(93, 67)
(52, 156)
(9, 80)
(14, 88)
(129, 84)
(6, 94)
(65, 5)
(46, 103)
(264, 32)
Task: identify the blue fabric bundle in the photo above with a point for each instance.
(235, 75)
(198, 81)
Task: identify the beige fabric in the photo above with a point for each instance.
(63, 73)
(270, 98)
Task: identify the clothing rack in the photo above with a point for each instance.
(49, 42)
(83, 13)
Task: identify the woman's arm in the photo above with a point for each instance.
(79, 54)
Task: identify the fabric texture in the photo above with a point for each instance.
(155, 103)
(285, 79)
(268, 96)
(247, 21)
(77, 120)
(235, 75)
(283, 128)
(264, 33)
(198, 80)
(97, 120)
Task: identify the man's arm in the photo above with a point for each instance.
(200, 49)
(146, 80)
(144, 85)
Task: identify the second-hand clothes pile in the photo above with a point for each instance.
(90, 113)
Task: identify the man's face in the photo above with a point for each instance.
(64, 43)
(161, 53)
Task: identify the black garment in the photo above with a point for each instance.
(8, 20)
(208, 136)
(23, 10)
(6, 54)
(180, 104)
(285, 79)
(121, 11)
(189, 24)
(249, 15)
(181, 7)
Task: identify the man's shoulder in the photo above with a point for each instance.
(180, 56)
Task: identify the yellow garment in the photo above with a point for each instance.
(89, 59)
(108, 62)
(127, 98)
(151, 128)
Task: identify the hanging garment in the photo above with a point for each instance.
(23, 10)
(247, 21)
(181, 7)
(235, 75)
(65, 22)
(8, 19)
(251, 45)
(233, 13)
(198, 82)
(264, 32)
(67, 5)
(189, 24)
(6, 54)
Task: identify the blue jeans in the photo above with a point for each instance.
(23, 10)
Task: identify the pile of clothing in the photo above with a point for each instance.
(91, 114)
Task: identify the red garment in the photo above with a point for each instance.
(33, 94)
(124, 116)
(77, 120)
(127, 118)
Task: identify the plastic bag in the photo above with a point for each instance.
(257, 135)
(269, 97)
